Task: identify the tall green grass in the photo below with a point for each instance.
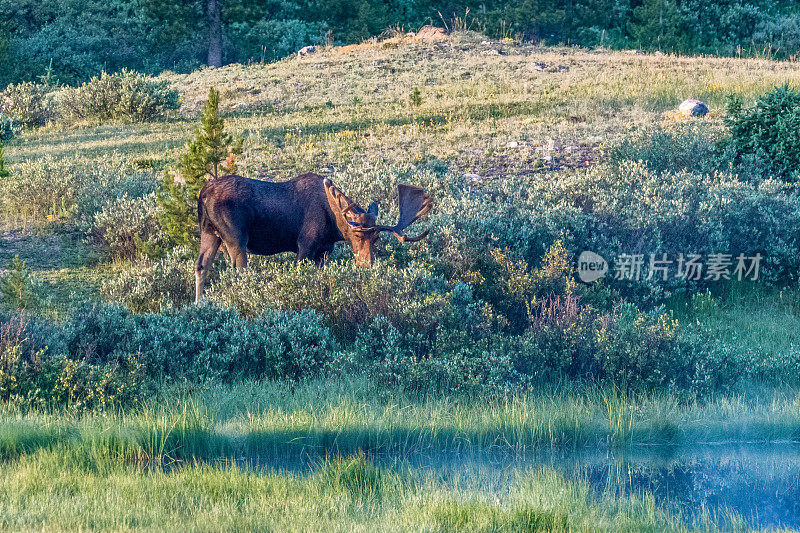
(270, 421)
(42, 491)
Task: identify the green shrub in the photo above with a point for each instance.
(125, 95)
(3, 171)
(7, 127)
(559, 341)
(640, 350)
(151, 285)
(128, 227)
(688, 147)
(198, 343)
(637, 210)
(28, 103)
(63, 188)
(345, 294)
(17, 287)
(35, 378)
(451, 360)
(767, 131)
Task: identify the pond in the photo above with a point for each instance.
(759, 482)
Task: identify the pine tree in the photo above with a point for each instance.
(3, 171)
(209, 154)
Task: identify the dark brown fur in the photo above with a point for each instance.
(306, 215)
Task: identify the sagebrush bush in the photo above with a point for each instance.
(128, 227)
(637, 349)
(148, 285)
(125, 95)
(36, 378)
(196, 343)
(64, 188)
(344, 293)
(690, 147)
(636, 210)
(28, 104)
(767, 130)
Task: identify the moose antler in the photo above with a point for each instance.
(342, 206)
(414, 203)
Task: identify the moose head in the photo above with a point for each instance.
(360, 227)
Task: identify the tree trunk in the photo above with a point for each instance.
(215, 33)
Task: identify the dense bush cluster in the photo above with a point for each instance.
(35, 378)
(28, 103)
(104, 355)
(149, 285)
(8, 128)
(125, 95)
(63, 188)
(489, 301)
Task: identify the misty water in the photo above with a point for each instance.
(760, 483)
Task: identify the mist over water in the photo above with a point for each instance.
(758, 482)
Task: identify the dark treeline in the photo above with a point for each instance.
(75, 39)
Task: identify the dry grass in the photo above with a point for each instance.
(488, 107)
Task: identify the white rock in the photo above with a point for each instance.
(693, 108)
(306, 50)
(473, 177)
(326, 170)
(512, 144)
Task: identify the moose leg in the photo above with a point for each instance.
(238, 254)
(209, 244)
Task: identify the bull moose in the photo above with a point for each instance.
(306, 215)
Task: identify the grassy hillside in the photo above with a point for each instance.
(349, 102)
(478, 339)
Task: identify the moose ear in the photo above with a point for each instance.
(343, 207)
(373, 209)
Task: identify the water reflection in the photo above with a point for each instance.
(760, 483)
